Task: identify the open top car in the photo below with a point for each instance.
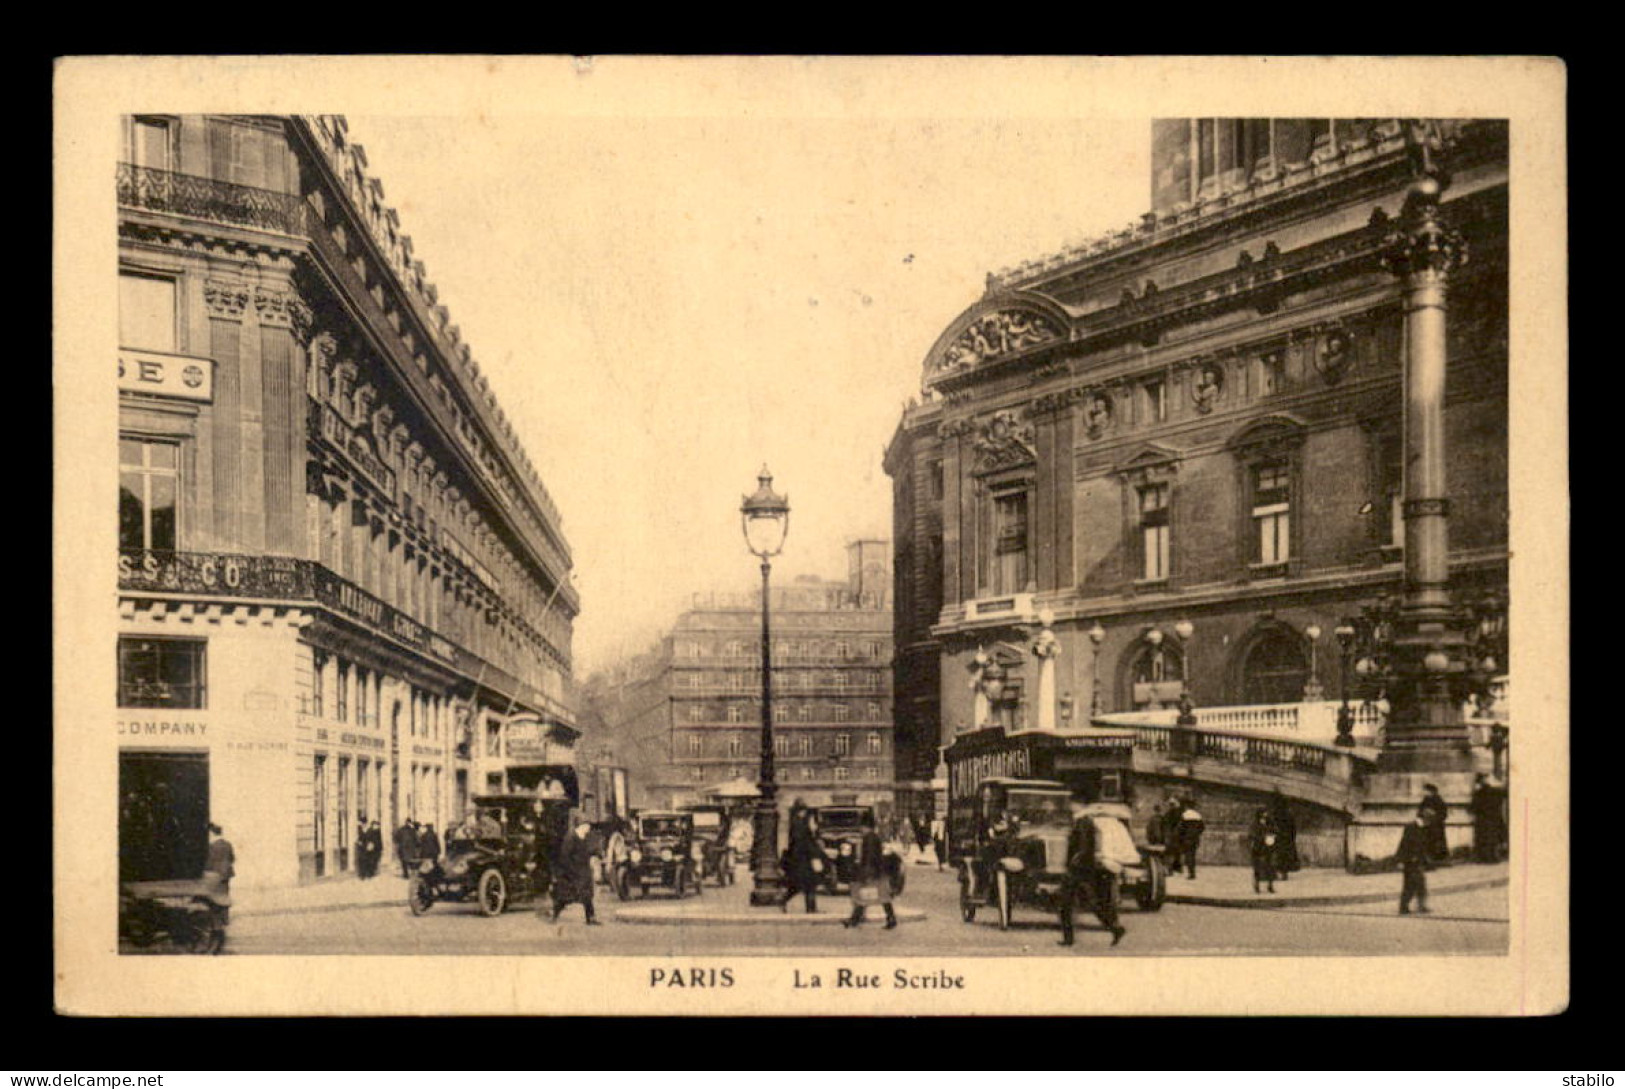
(1021, 831)
(661, 852)
(711, 833)
(500, 853)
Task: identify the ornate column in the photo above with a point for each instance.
(1428, 675)
(1045, 648)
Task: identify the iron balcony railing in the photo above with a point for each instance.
(206, 198)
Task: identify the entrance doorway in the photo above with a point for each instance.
(163, 827)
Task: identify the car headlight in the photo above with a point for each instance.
(846, 850)
(1012, 865)
(637, 856)
(665, 854)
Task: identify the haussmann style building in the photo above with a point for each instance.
(686, 717)
(1184, 441)
(343, 589)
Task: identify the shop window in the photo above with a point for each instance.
(162, 672)
(343, 826)
(149, 494)
(1155, 545)
(147, 314)
(163, 815)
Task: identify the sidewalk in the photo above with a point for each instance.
(1232, 886)
(332, 894)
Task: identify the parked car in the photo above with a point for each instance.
(1019, 856)
(841, 829)
(504, 859)
(711, 834)
(661, 852)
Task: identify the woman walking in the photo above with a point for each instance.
(872, 882)
(805, 862)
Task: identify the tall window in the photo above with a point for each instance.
(361, 696)
(1009, 543)
(1155, 395)
(1271, 373)
(146, 311)
(873, 743)
(839, 712)
(1272, 512)
(1207, 148)
(694, 744)
(342, 693)
(735, 712)
(1154, 530)
(149, 142)
(842, 774)
(696, 713)
(318, 664)
(843, 744)
(161, 672)
(149, 489)
(804, 746)
(736, 747)
(871, 773)
(781, 746)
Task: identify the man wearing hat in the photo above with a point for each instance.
(572, 869)
(1086, 876)
(220, 866)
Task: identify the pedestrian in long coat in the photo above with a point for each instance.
(1413, 863)
(428, 844)
(871, 881)
(1287, 860)
(1263, 846)
(1189, 835)
(375, 847)
(1086, 877)
(406, 847)
(805, 861)
(1487, 831)
(1434, 812)
(1170, 833)
(572, 871)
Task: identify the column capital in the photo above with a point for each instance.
(1422, 242)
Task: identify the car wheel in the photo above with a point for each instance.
(1155, 890)
(622, 883)
(418, 896)
(493, 893)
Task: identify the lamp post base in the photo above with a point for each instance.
(769, 889)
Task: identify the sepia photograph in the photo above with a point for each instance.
(776, 535)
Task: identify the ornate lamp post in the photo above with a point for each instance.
(1312, 691)
(1345, 717)
(765, 518)
(1187, 710)
(1097, 636)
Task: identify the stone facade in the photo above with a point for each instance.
(341, 581)
(1196, 418)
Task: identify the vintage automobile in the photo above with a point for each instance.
(841, 829)
(190, 913)
(506, 858)
(1019, 856)
(713, 850)
(661, 851)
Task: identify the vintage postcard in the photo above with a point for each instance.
(811, 535)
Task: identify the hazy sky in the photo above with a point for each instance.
(662, 304)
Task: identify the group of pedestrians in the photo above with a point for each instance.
(369, 849)
(415, 843)
(806, 862)
(1272, 843)
(1177, 826)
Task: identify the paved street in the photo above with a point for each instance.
(1472, 922)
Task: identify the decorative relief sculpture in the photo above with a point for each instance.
(1209, 385)
(274, 307)
(1334, 355)
(1097, 417)
(997, 334)
(1005, 441)
(225, 300)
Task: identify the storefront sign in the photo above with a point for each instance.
(161, 374)
(361, 741)
(162, 728)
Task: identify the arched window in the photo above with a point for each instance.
(1275, 668)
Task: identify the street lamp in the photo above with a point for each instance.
(1312, 691)
(1345, 718)
(1187, 713)
(765, 518)
(1097, 636)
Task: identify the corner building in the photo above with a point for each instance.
(1198, 417)
(343, 589)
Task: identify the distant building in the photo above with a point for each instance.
(1196, 418)
(343, 589)
(687, 717)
